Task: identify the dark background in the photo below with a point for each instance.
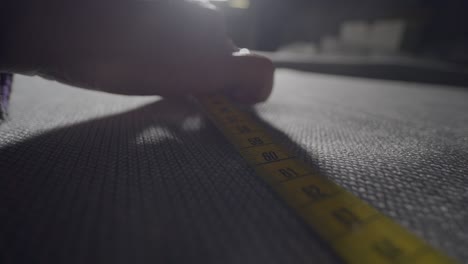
(432, 29)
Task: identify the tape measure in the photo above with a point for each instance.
(354, 230)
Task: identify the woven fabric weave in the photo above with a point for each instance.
(88, 177)
(6, 80)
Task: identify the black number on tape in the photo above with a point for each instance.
(255, 141)
(314, 192)
(288, 173)
(270, 156)
(387, 249)
(243, 129)
(346, 217)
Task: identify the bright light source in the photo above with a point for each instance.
(242, 4)
(242, 52)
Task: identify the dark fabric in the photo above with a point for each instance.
(87, 177)
(6, 80)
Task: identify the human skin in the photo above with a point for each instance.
(163, 47)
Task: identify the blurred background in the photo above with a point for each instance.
(414, 40)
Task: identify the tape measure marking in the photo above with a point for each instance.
(357, 232)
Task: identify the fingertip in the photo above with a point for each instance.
(252, 76)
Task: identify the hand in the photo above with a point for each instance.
(166, 47)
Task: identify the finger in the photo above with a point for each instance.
(251, 78)
(246, 78)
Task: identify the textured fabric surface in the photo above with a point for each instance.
(88, 177)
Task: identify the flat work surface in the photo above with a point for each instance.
(87, 177)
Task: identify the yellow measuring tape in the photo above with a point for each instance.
(357, 232)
